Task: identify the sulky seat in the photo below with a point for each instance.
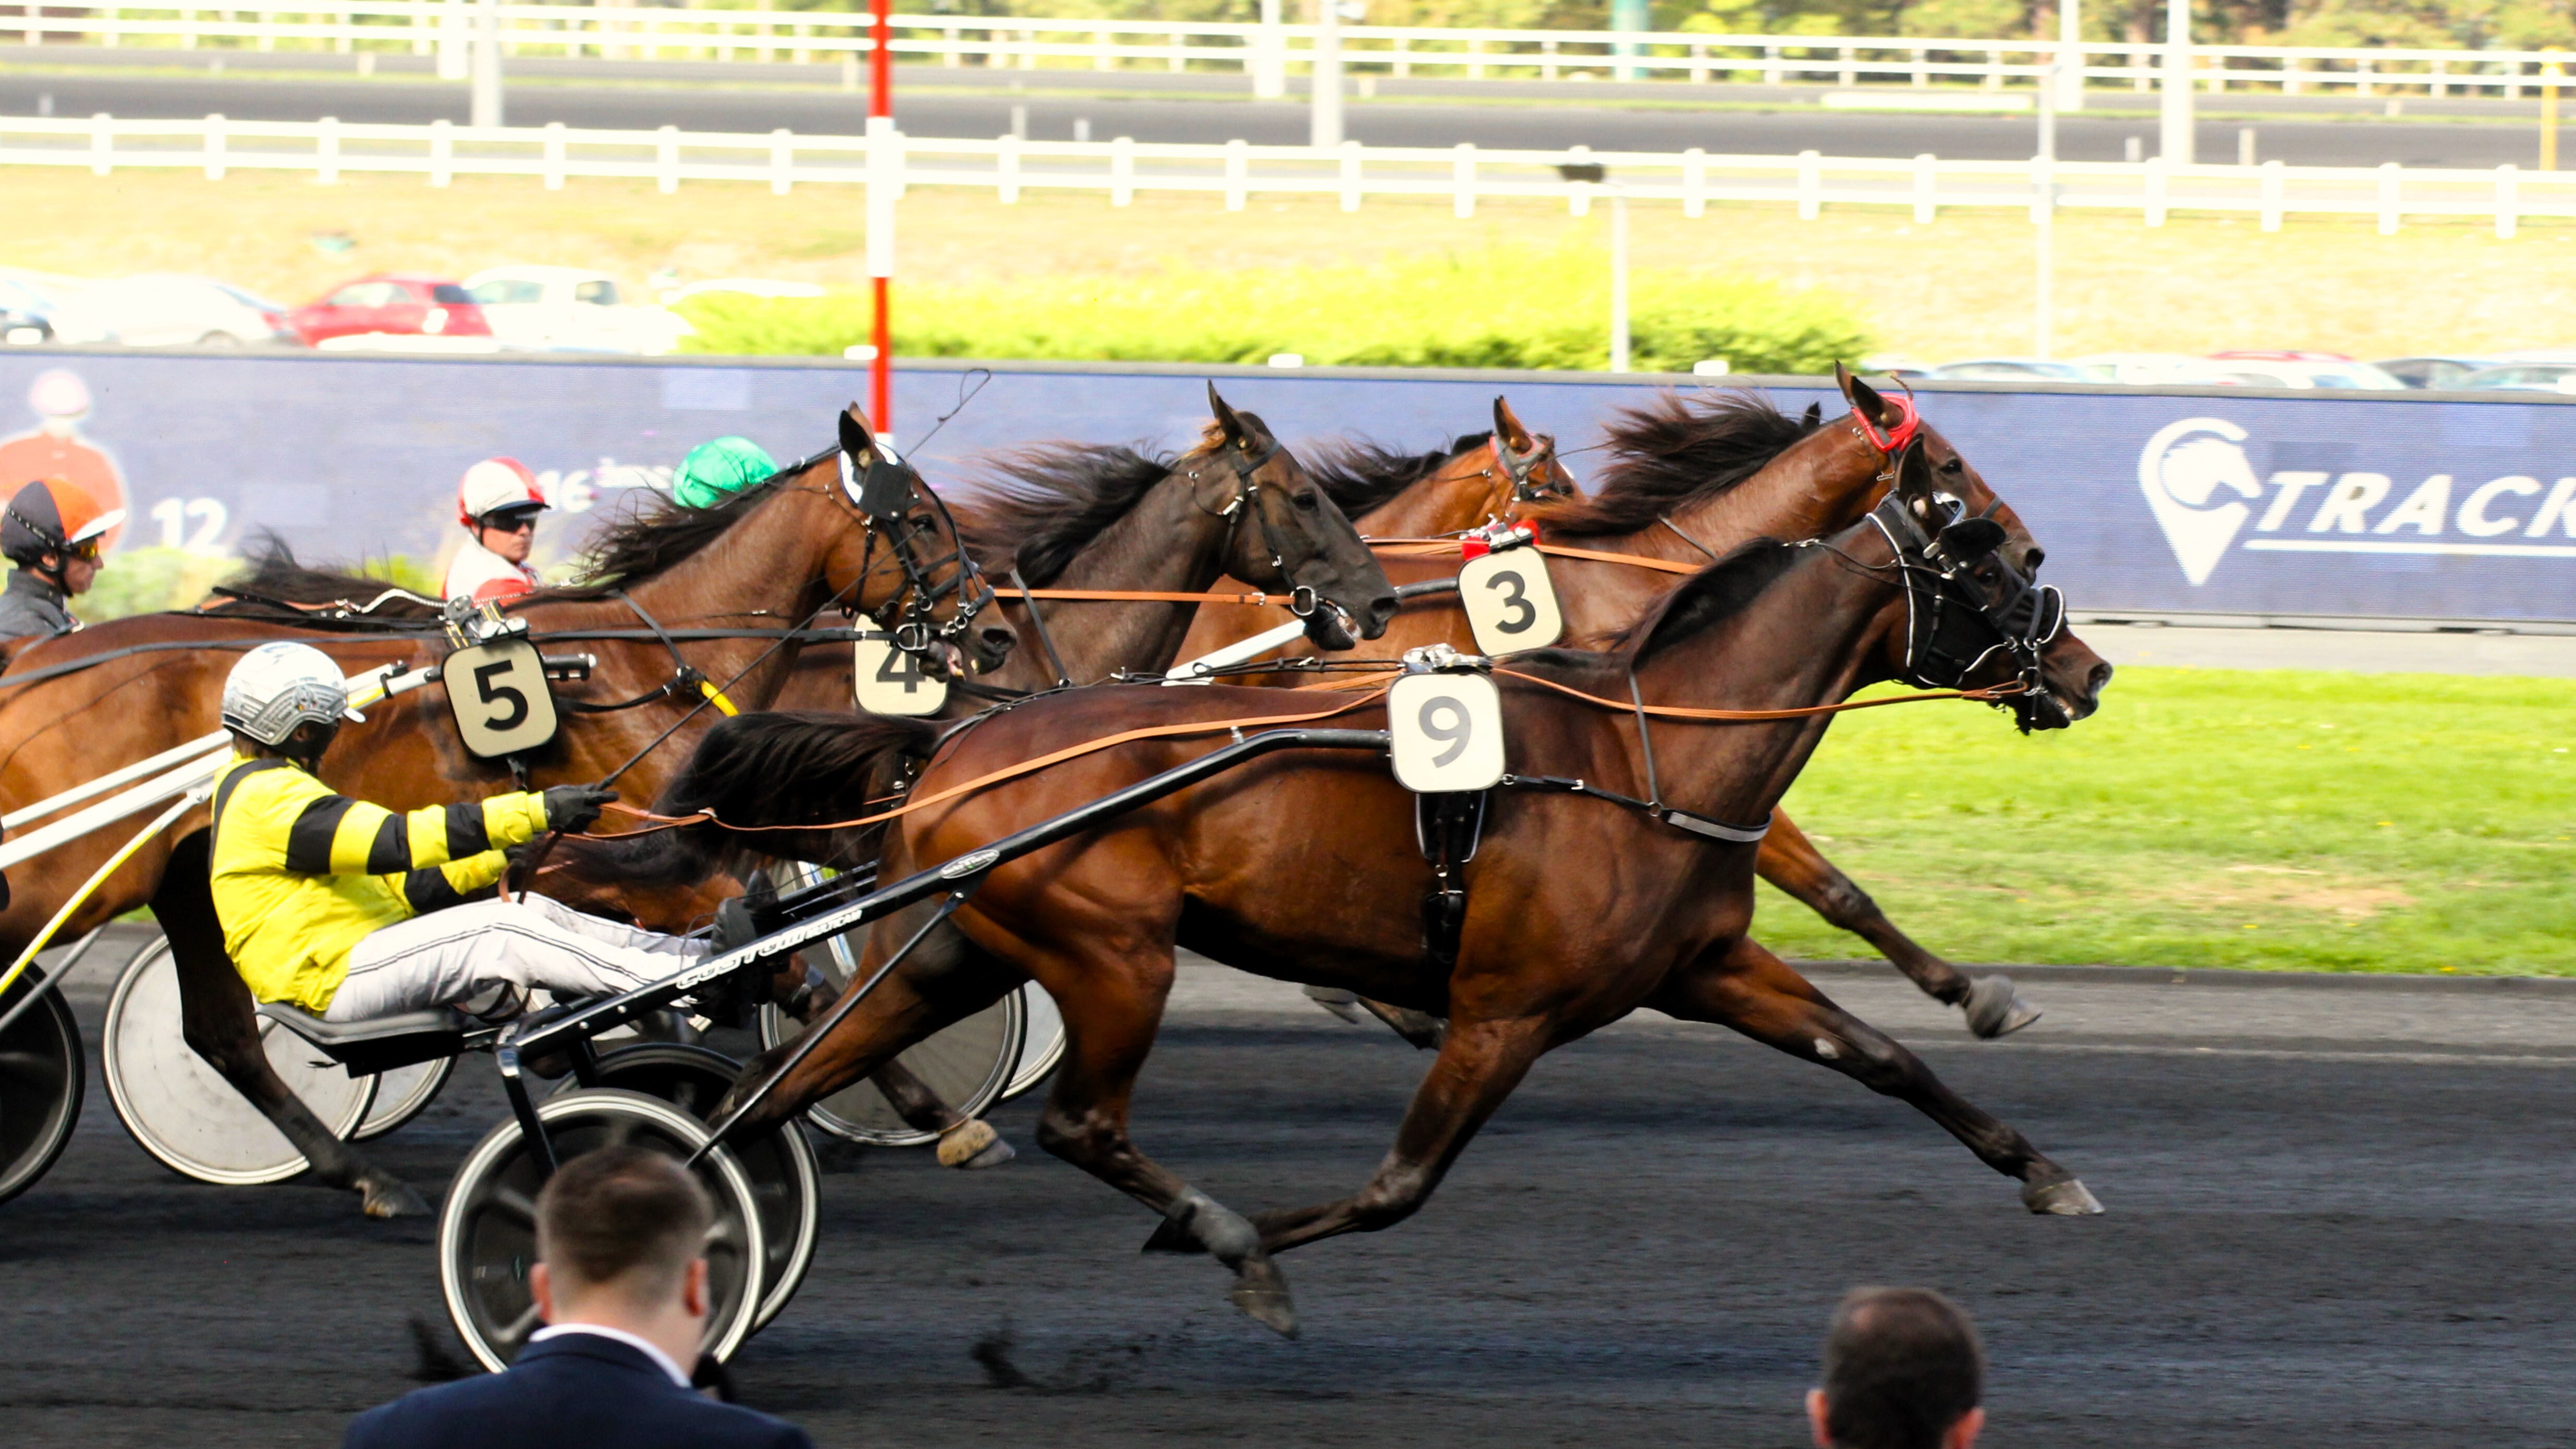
(379, 1045)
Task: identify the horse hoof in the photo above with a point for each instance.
(2064, 1198)
(1261, 1291)
(1421, 1028)
(388, 1197)
(973, 1145)
(1995, 1009)
(1340, 1003)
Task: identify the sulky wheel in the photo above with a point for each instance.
(402, 1094)
(41, 1078)
(183, 1112)
(1042, 1043)
(969, 1064)
(487, 1229)
(785, 1180)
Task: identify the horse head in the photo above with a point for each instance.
(905, 565)
(1299, 541)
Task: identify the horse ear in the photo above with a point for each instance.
(1508, 427)
(1863, 398)
(1225, 416)
(1971, 539)
(1815, 414)
(856, 440)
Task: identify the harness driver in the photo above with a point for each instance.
(497, 501)
(51, 531)
(352, 912)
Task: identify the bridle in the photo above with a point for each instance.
(1955, 622)
(1519, 468)
(1303, 599)
(890, 498)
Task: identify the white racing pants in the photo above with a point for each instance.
(456, 954)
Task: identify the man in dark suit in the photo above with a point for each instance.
(1903, 1370)
(623, 1290)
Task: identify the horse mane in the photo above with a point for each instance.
(1359, 475)
(1047, 503)
(645, 540)
(272, 571)
(1706, 599)
(1672, 451)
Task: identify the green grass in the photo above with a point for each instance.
(1498, 307)
(2295, 821)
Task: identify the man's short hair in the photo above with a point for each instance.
(620, 1211)
(1902, 1365)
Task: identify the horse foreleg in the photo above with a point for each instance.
(1744, 987)
(1480, 1062)
(1791, 861)
(220, 1025)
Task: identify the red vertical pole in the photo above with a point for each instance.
(881, 109)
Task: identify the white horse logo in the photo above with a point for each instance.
(2182, 467)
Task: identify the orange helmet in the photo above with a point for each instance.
(53, 516)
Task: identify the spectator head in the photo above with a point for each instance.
(1903, 1370)
(619, 1239)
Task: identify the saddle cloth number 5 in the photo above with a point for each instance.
(1446, 732)
(498, 693)
(1511, 605)
(889, 681)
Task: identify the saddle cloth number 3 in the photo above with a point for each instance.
(1510, 604)
(889, 681)
(1446, 732)
(499, 696)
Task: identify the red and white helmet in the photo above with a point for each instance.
(495, 484)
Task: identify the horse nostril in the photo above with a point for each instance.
(2099, 679)
(998, 639)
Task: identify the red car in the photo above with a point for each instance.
(391, 302)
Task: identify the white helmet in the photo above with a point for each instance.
(278, 686)
(495, 484)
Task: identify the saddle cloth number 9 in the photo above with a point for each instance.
(1511, 605)
(889, 681)
(498, 693)
(1446, 732)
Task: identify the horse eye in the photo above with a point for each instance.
(1306, 500)
(1953, 465)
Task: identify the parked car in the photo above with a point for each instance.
(2433, 372)
(26, 314)
(171, 311)
(393, 303)
(2013, 369)
(2283, 370)
(567, 309)
(2521, 377)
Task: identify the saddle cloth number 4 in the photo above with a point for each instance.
(1511, 605)
(499, 696)
(889, 681)
(1446, 732)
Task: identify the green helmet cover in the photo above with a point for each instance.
(716, 470)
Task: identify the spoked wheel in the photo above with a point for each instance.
(785, 1180)
(1042, 1044)
(487, 1230)
(403, 1094)
(41, 1077)
(183, 1112)
(969, 1064)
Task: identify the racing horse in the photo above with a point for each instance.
(780, 555)
(1589, 895)
(1687, 479)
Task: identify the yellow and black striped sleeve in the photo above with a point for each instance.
(436, 887)
(335, 835)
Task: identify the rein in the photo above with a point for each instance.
(1432, 547)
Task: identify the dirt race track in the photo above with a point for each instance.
(2340, 1214)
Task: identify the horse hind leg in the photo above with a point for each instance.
(220, 1026)
(967, 1143)
(1747, 989)
(1790, 861)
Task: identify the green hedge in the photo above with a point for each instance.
(1500, 308)
(149, 580)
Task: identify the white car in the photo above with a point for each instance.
(568, 309)
(171, 311)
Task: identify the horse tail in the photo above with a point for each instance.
(756, 773)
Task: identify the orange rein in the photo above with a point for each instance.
(1431, 547)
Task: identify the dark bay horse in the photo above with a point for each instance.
(1685, 480)
(1305, 866)
(771, 558)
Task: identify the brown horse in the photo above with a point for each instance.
(1583, 903)
(772, 558)
(1688, 479)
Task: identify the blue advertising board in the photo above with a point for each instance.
(2150, 501)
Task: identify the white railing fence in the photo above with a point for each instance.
(1464, 175)
(1269, 53)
